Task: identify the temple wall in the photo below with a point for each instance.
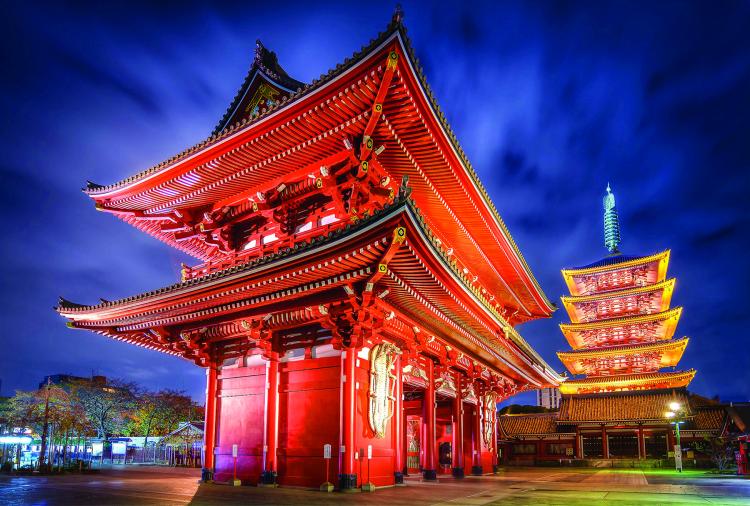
(240, 411)
(309, 407)
(310, 416)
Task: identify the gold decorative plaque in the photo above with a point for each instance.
(382, 383)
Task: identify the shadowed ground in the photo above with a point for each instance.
(168, 486)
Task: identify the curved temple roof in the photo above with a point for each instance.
(453, 196)
(670, 353)
(154, 309)
(615, 262)
(625, 382)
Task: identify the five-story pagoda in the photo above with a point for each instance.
(622, 327)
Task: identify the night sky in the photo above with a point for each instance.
(551, 101)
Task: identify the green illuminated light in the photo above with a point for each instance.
(611, 223)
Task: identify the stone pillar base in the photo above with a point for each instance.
(429, 474)
(207, 475)
(348, 483)
(496, 469)
(399, 477)
(458, 472)
(477, 470)
(267, 479)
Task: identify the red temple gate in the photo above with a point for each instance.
(356, 279)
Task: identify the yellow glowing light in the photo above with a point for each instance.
(674, 406)
(669, 414)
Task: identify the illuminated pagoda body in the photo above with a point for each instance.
(357, 286)
(622, 363)
(622, 327)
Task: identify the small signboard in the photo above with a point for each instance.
(369, 451)
(326, 451)
(569, 452)
(235, 451)
(677, 457)
(118, 448)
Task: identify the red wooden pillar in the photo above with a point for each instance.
(495, 444)
(458, 432)
(476, 468)
(210, 416)
(270, 468)
(578, 444)
(348, 476)
(430, 465)
(398, 426)
(641, 443)
(605, 443)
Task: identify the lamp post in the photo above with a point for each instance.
(676, 415)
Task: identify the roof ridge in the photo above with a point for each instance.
(396, 24)
(602, 264)
(267, 62)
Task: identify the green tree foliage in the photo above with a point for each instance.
(51, 410)
(158, 413)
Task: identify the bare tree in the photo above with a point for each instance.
(106, 405)
(719, 448)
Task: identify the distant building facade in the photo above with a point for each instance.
(67, 379)
(548, 398)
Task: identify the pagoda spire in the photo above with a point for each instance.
(611, 223)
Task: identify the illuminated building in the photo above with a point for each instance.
(356, 286)
(622, 363)
(621, 323)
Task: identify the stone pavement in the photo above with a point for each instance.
(537, 486)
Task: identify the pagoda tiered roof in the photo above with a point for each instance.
(661, 327)
(656, 266)
(320, 121)
(663, 289)
(669, 354)
(625, 382)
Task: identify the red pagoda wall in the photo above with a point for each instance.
(308, 419)
(241, 403)
(309, 416)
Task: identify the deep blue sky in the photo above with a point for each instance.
(551, 100)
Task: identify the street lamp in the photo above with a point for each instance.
(675, 415)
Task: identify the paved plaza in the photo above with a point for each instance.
(167, 486)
